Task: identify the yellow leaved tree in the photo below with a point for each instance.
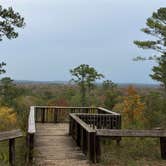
(8, 119)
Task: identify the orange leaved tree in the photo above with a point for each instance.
(132, 109)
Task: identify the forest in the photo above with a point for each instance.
(141, 107)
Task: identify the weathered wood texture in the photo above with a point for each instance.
(30, 134)
(131, 133)
(84, 136)
(53, 146)
(6, 135)
(137, 133)
(31, 121)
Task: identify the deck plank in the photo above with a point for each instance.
(54, 147)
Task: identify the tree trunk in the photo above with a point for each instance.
(83, 93)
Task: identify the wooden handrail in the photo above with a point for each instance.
(82, 123)
(137, 133)
(6, 135)
(107, 111)
(84, 136)
(63, 107)
(131, 133)
(104, 110)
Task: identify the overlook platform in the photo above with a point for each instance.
(71, 136)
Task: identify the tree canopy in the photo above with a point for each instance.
(9, 21)
(85, 76)
(156, 27)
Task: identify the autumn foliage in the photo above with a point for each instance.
(132, 108)
(8, 119)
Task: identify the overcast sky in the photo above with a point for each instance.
(62, 34)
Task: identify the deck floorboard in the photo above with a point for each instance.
(54, 147)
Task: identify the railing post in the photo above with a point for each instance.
(163, 147)
(43, 115)
(92, 146)
(119, 126)
(12, 152)
(31, 147)
(98, 148)
(78, 134)
(55, 115)
(70, 125)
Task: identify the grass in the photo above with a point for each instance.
(132, 152)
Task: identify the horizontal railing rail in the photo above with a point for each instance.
(101, 110)
(11, 136)
(101, 121)
(137, 133)
(54, 114)
(131, 133)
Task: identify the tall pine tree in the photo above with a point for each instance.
(156, 27)
(9, 21)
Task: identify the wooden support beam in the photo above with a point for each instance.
(78, 128)
(92, 146)
(55, 115)
(31, 147)
(12, 152)
(43, 115)
(163, 147)
(98, 149)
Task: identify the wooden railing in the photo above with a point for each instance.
(88, 129)
(87, 126)
(11, 136)
(84, 136)
(83, 128)
(83, 122)
(54, 114)
(137, 133)
(101, 121)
